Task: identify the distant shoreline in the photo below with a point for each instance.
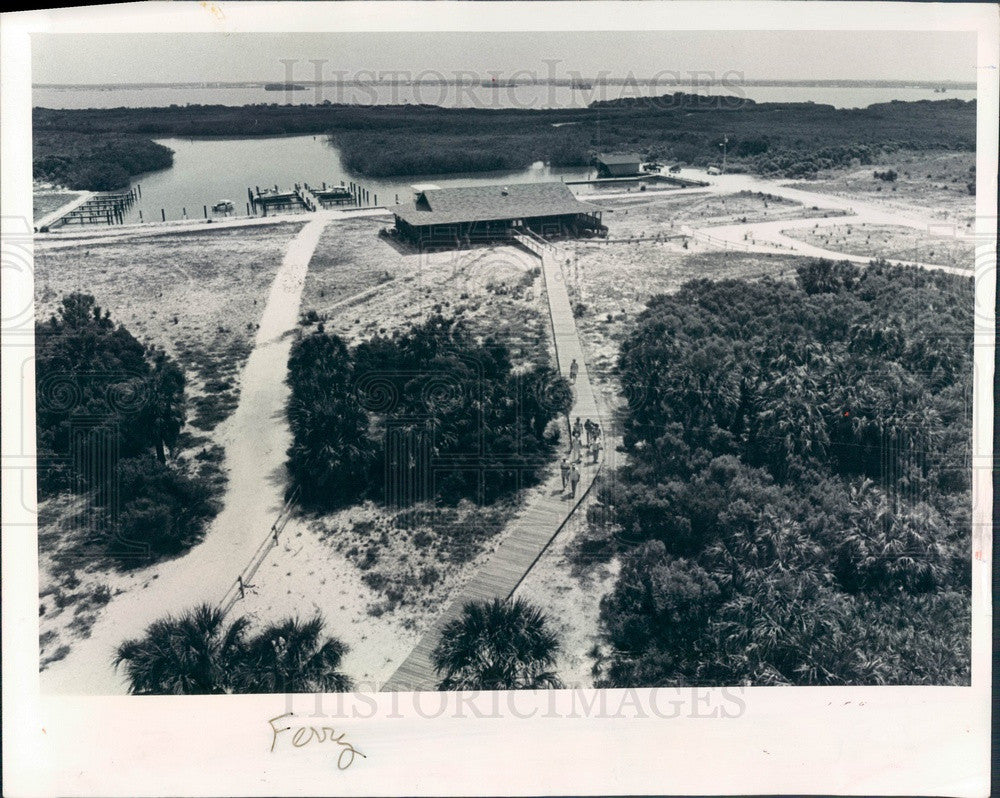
(568, 82)
(790, 139)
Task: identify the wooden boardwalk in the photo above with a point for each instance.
(53, 218)
(539, 521)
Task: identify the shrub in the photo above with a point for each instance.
(163, 510)
(331, 454)
(757, 548)
(87, 366)
(824, 276)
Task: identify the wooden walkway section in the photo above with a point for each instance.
(53, 218)
(541, 519)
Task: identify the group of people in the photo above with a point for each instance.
(568, 467)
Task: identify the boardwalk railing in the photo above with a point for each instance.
(531, 241)
(242, 583)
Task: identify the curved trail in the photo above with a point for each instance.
(256, 438)
(767, 237)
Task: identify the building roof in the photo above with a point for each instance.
(490, 203)
(627, 158)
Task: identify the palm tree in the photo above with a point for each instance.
(189, 655)
(292, 657)
(497, 646)
(330, 455)
(165, 402)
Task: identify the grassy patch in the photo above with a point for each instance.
(407, 557)
(889, 241)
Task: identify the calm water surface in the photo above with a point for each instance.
(206, 171)
(542, 96)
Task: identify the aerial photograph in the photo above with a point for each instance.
(402, 362)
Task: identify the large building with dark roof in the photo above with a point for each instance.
(457, 216)
(625, 165)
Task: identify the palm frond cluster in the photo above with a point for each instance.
(498, 645)
(200, 653)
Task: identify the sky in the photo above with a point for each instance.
(797, 55)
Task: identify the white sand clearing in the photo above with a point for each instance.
(304, 576)
(256, 438)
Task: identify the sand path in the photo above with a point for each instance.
(99, 234)
(769, 237)
(256, 438)
(542, 518)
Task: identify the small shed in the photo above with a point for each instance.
(621, 165)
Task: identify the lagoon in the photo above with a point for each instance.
(206, 171)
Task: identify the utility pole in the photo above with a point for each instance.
(725, 141)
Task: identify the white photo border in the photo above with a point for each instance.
(857, 740)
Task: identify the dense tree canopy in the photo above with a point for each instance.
(431, 413)
(796, 505)
(109, 408)
(103, 162)
(331, 455)
(790, 139)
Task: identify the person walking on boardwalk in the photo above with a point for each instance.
(575, 450)
(574, 478)
(577, 428)
(564, 470)
(573, 370)
(595, 450)
(588, 426)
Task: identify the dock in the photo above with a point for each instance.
(274, 199)
(302, 196)
(93, 208)
(334, 195)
